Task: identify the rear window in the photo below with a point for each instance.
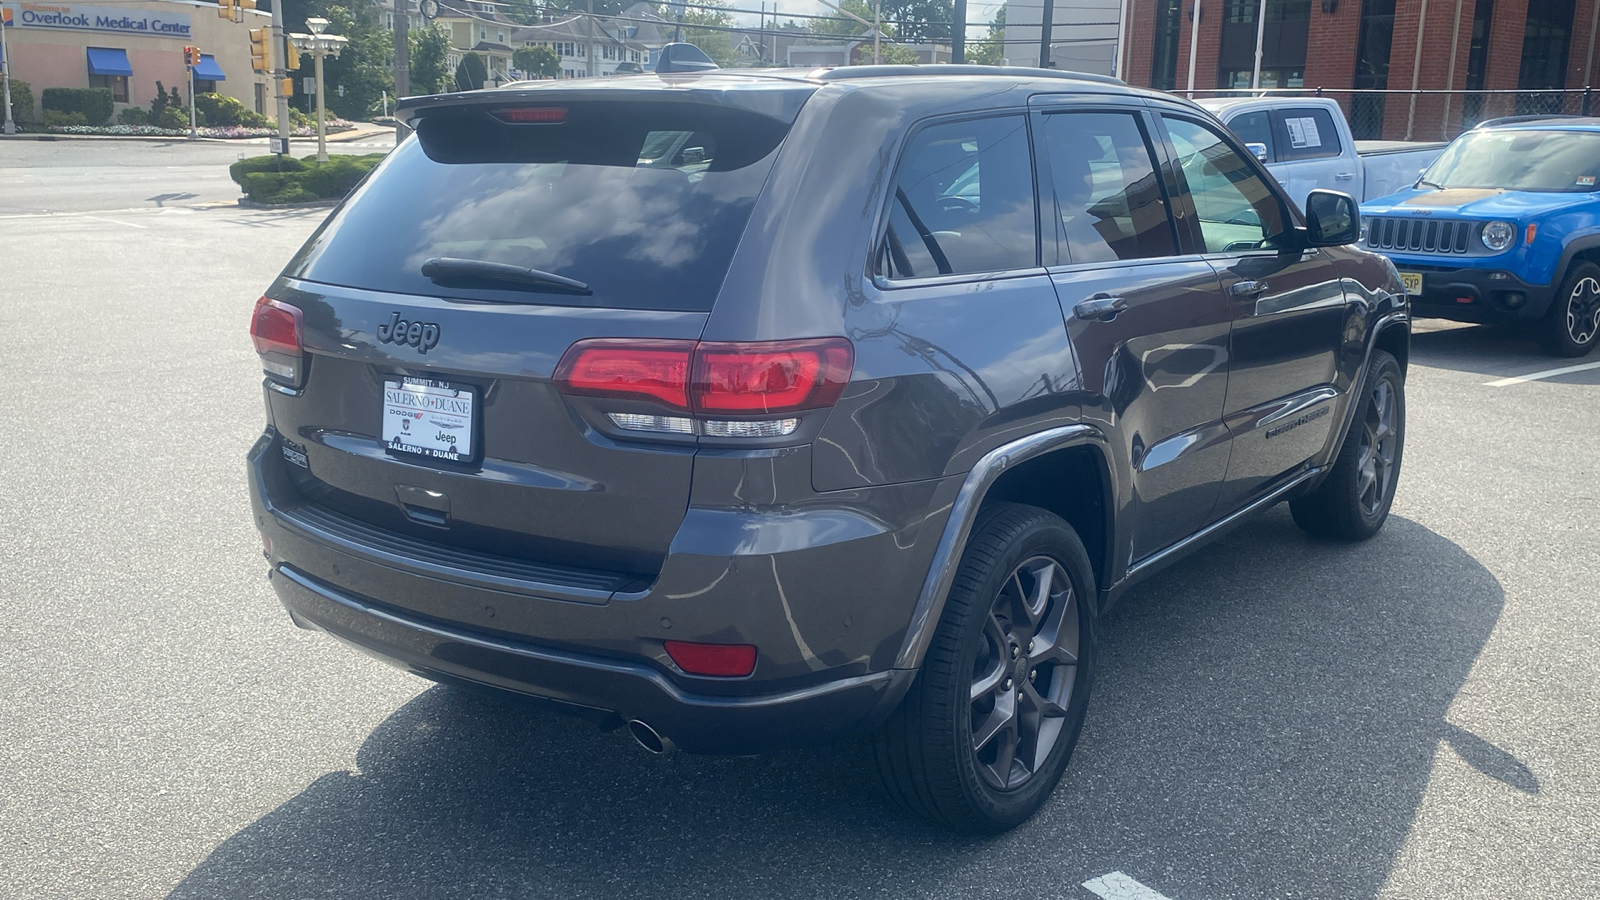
(643, 203)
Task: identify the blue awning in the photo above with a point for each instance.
(104, 61)
(208, 70)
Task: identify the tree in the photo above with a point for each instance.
(537, 62)
(840, 26)
(717, 44)
(893, 55)
(430, 49)
(920, 21)
(365, 68)
(472, 73)
(991, 51)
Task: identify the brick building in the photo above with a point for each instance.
(1353, 49)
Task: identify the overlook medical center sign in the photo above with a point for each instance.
(90, 18)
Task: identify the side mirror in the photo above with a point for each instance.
(1259, 151)
(1332, 219)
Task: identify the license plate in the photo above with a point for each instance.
(1413, 283)
(428, 418)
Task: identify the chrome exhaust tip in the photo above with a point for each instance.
(649, 738)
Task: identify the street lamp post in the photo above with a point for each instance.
(5, 76)
(320, 45)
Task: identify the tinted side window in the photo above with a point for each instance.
(1255, 128)
(963, 201)
(1307, 134)
(1236, 209)
(1108, 201)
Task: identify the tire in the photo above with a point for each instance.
(930, 754)
(1572, 325)
(1353, 501)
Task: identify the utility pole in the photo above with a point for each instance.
(191, 56)
(280, 75)
(1261, 34)
(1194, 41)
(958, 33)
(402, 48)
(1046, 25)
(590, 27)
(5, 72)
(877, 32)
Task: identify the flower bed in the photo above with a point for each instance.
(225, 131)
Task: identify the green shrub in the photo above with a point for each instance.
(21, 102)
(93, 103)
(55, 118)
(133, 115)
(300, 180)
(220, 109)
(172, 118)
(244, 167)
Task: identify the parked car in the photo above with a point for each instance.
(1504, 227)
(1307, 145)
(832, 438)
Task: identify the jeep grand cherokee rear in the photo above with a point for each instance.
(755, 409)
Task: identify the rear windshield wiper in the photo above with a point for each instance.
(443, 270)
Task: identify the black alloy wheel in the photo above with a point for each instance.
(1023, 673)
(1352, 501)
(987, 728)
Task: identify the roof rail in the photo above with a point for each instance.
(844, 73)
(1513, 120)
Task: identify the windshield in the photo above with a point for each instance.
(637, 205)
(1561, 161)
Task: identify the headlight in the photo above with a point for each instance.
(1498, 236)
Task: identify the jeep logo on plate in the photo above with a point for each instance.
(422, 335)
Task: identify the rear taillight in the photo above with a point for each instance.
(275, 328)
(720, 390)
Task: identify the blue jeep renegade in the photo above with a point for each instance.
(1504, 226)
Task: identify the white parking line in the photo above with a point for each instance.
(1535, 376)
(1117, 886)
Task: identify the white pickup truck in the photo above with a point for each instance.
(1306, 143)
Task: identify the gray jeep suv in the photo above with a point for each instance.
(753, 409)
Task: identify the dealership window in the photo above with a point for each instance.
(1372, 67)
(1164, 59)
(1239, 79)
(1544, 46)
(1477, 63)
(1239, 12)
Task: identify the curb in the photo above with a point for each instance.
(247, 203)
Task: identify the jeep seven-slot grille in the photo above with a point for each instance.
(1419, 235)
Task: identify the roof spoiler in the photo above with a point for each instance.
(682, 57)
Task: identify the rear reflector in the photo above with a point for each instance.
(551, 115)
(721, 660)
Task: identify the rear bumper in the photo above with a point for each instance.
(825, 595)
(607, 687)
(1476, 295)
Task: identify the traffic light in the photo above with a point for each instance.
(225, 9)
(291, 56)
(191, 56)
(261, 49)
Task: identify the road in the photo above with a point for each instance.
(77, 175)
(1274, 718)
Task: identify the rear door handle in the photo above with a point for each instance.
(1248, 289)
(1099, 307)
(1344, 176)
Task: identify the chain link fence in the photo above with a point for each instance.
(1427, 115)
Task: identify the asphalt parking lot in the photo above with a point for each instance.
(1415, 717)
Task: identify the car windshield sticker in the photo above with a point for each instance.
(1303, 132)
(1586, 180)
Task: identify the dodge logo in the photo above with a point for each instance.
(422, 335)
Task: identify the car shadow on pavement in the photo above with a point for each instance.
(1266, 719)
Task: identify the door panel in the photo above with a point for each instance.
(1287, 310)
(1150, 328)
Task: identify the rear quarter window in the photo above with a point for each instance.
(643, 202)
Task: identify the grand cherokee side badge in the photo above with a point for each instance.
(422, 335)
